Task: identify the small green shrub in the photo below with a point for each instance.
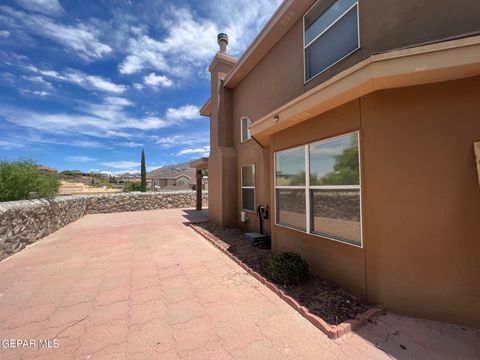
(288, 268)
(20, 179)
(130, 186)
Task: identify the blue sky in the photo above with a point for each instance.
(85, 84)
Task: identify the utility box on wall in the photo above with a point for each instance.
(476, 147)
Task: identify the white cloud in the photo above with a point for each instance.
(131, 144)
(119, 101)
(122, 165)
(35, 92)
(81, 79)
(102, 119)
(39, 80)
(104, 84)
(9, 144)
(35, 138)
(4, 33)
(47, 7)
(191, 39)
(138, 86)
(133, 64)
(156, 81)
(81, 38)
(201, 151)
(183, 140)
(80, 158)
(87, 144)
(186, 112)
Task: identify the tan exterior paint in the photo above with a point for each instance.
(386, 25)
(417, 113)
(422, 209)
(476, 148)
(420, 200)
(222, 169)
(444, 61)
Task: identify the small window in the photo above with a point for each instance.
(331, 33)
(248, 188)
(244, 130)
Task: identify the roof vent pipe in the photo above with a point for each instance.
(222, 40)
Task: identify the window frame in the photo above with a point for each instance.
(248, 187)
(308, 213)
(286, 187)
(305, 80)
(249, 122)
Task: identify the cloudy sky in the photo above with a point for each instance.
(85, 84)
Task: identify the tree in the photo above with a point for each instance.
(20, 179)
(143, 173)
(345, 170)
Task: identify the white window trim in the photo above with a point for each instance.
(305, 80)
(249, 136)
(248, 187)
(315, 187)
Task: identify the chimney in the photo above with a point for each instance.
(222, 40)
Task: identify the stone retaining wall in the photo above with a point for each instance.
(24, 222)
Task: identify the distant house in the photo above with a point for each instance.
(173, 177)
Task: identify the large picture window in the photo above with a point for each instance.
(317, 188)
(330, 33)
(248, 187)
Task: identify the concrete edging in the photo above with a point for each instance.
(332, 331)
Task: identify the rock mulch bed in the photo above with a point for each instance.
(330, 308)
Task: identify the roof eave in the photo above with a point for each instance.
(206, 108)
(443, 61)
(281, 21)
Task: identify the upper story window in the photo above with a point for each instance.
(331, 33)
(244, 130)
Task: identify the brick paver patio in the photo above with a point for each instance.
(145, 286)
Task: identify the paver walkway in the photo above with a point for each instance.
(144, 286)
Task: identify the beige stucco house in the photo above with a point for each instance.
(174, 177)
(353, 121)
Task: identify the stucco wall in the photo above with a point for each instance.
(420, 200)
(24, 222)
(338, 262)
(384, 25)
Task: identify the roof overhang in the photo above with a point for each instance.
(206, 108)
(282, 20)
(200, 164)
(443, 61)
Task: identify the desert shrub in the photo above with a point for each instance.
(20, 180)
(129, 186)
(288, 268)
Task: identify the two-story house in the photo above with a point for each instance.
(354, 122)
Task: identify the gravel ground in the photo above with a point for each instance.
(330, 302)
